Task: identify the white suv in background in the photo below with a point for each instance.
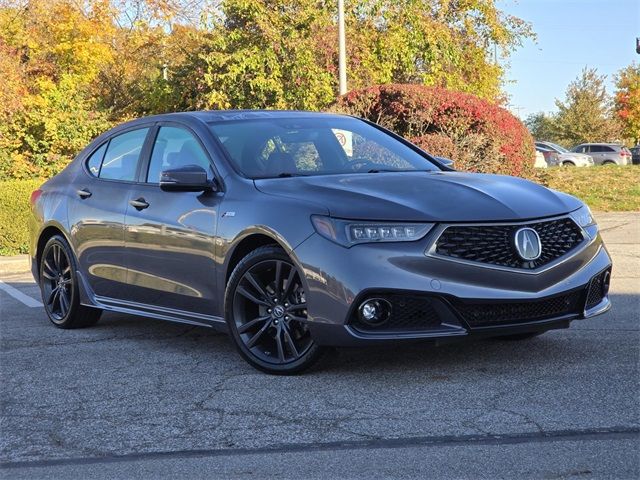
(605, 153)
(567, 158)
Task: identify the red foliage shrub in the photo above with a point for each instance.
(437, 144)
(478, 135)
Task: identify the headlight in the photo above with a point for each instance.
(348, 233)
(584, 219)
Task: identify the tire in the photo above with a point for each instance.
(59, 287)
(609, 162)
(518, 337)
(267, 317)
(568, 164)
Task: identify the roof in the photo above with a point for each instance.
(609, 144)
(226, 115)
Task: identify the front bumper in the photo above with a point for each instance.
(443, 300)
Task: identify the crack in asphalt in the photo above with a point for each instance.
(591, 434)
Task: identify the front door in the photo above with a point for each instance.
(170, 236)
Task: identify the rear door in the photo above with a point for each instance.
(609, 154)
(597, 153)
(170, 236)
(97, 211)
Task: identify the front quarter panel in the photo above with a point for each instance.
(245, 211)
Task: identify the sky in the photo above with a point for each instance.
(571, 35)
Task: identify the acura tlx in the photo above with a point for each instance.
(302, 231)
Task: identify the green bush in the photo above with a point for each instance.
(14, 213)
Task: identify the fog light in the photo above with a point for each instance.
(606, 281)
(375, 311)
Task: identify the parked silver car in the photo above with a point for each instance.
(550, 156)
(567, 158)
(605, 153)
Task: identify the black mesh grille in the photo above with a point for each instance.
(488, 314)
(493, 244)
(409, 313)
(596, 291)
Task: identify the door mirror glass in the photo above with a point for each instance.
(188, 178)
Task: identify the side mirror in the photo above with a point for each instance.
(189, 178)
(447, 162)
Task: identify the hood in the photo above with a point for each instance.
(574, 155)
(424, 196)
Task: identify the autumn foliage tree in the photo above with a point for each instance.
(585, 114)
(71, 69)
(627, 101)
(283, 53)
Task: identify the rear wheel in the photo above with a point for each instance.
(608, 162)
(266, 312)
(59, 287)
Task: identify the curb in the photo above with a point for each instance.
(14, 264)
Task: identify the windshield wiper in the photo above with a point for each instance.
(289, 174)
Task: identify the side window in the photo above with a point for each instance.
(123, 152)
(596, 149)
(607, 149)
(174, 148)
(95, 160)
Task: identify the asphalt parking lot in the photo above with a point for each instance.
(139, 398)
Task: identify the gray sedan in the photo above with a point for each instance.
(300, 231)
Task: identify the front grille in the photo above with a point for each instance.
(409, 313)
(493, 244)
(484, 314)
(596, 289)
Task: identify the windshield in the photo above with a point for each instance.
(283, 147)
(558, 148)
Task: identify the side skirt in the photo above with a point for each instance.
(90, 299)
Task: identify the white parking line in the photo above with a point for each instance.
(18, 295)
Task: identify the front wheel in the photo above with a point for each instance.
(266, 312)
(59, 287)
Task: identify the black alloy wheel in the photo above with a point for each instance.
(59, 289)
(267, 313)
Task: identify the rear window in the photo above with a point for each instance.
(118, 159)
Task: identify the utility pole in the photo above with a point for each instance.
(342, 50)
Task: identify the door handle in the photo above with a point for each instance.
(84, 193)
(139, 203)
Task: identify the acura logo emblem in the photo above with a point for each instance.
(527, 243)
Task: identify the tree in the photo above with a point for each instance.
(542, 127)
(585, 115)
(627, 101)
(283, 53)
